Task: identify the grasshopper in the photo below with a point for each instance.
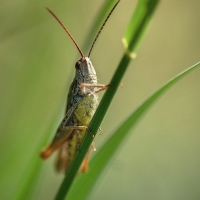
(82, 103)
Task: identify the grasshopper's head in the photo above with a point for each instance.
(85, 69)
(84, 66)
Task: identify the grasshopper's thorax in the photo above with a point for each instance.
(86, 109)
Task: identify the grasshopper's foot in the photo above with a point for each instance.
(100, 130)
(88, 131)
(93, 147)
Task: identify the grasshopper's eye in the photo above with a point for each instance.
(77, 65)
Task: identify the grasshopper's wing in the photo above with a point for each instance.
(66, 153)
(63, 159)
(64, 131)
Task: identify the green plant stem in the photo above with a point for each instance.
(138, 24)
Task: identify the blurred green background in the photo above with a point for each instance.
(161, 158)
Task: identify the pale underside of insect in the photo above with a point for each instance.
(82, 103)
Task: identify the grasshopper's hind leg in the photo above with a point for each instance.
(68, 150)
(84, 165)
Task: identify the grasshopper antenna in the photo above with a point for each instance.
(102, 28)
(66, 32)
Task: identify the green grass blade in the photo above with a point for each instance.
(138, 24)
(27, 186)
(109, 149)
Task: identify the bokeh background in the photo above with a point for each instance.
(161, 158)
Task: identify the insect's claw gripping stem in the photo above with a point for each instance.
(108, 85)
(90, 132)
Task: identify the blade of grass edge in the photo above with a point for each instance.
(138, 25)
(109, 149)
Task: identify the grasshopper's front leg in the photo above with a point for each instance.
(95, 87)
